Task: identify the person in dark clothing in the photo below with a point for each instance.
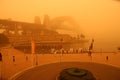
(13, 58)
(0, 56)
(107, 58)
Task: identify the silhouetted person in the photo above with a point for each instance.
(107, 58)
(0, 57)
(13, 58)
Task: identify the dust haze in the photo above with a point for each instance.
(98, 19)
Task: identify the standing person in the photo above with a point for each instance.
(0, 66)
(107, 58)
(13, 58)
(0, 56)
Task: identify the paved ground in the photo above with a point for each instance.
(50, 71)
(10, 67)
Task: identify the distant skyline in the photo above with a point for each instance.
(98, 19)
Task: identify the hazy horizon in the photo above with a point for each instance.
(98, 19)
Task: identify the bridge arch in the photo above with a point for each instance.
(65, 23)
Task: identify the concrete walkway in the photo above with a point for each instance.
(10, 67)
(50, 71)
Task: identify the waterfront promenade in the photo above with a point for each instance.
(15, 61)
(51, 71)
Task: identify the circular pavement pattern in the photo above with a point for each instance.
(50, 71)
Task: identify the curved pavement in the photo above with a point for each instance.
(50, 71)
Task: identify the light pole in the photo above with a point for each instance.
(33, 51)
(91, 49)
(34, 55)
(61, 40)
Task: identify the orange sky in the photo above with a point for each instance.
(99, 19)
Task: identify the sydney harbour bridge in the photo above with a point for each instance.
(45, 35)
